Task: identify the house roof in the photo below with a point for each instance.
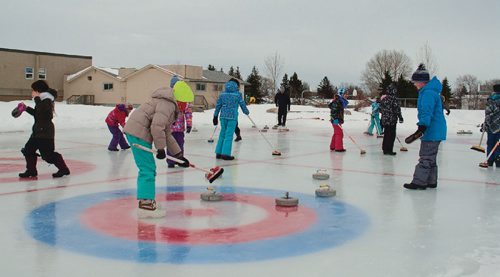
(208, 75)
(219, 77)
(159, 67)
(113, 72)
(45, 53)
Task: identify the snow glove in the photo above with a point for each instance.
(160, 154)
(185, 162)
(418, 134)
(17, 111)
(215, 121)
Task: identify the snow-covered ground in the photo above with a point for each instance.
(92, 117)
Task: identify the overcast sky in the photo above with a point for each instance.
(315, 38)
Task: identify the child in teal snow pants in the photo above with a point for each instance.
(145, 162)
(227, 105)
(225, 142)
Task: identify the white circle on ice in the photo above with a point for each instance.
(199, 215)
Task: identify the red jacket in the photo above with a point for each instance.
(115, 117)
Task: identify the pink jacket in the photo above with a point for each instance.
(184, 117)
(116, 117)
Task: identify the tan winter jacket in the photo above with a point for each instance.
(152, 120)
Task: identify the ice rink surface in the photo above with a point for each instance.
(85, 224)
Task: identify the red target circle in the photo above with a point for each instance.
(10, 167)
(118, 218)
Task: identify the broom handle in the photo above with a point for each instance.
(482, 135)
(399, 141)
(213, 133)
(144, 148)
(260, 132)
(350, 138)
(492, 150)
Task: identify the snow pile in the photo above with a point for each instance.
(300, 117)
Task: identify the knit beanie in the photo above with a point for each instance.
(496, 88)
(173, 81)
(421, 74)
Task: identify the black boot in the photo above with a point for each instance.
(61, 165)
(414, 186)
(30, 168)
(227, 158)
(238, 138)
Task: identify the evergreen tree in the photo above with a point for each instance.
(405, 88)
(284, 82)
(231, 71)
(325, 89)
(384, 84)
(295, 86)
(237, 73)
(446, 91)
(254, 89)
(211, 67)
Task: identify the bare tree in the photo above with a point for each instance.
(267, 88)
(274, 67)
(395, 62)
(488, 85)
(425, 56)
(468, 85)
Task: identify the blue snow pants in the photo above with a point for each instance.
(145, 162)
(225, 141)
(375, 122)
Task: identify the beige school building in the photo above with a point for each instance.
(20, 68)
(109, 86)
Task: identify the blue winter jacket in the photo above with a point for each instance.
(430, 111)
(228, 101)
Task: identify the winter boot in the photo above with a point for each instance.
(30, 167)
(485, 164)
(414, 186)
(227, 158)
(238, 138)
(61, 165)
(149, 209)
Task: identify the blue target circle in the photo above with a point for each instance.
(59, 224)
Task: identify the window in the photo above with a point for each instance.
(28, 72)
(42, 75)
(89, 78)
(201, 87)
(108, 86)
(218, 87)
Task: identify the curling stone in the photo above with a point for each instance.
(286, 201)
(275, 127)
(463, 132)
(211, 195)
(194, 130)
(325, 190)
(263, 130)
(321, 175)
(266, 127)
